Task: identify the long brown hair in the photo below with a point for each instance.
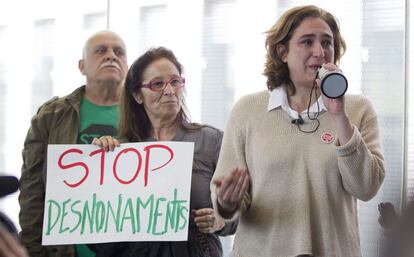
(134, 122)
(281, 32)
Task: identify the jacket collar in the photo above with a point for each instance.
(76, 96)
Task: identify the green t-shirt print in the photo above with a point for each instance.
(97, 121)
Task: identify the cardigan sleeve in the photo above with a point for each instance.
(232, 155)
(230, 225)
(361, 161)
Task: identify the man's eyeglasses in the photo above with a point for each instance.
(159, 85)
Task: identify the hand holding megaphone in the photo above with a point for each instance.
(333, 83)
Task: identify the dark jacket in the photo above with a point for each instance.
(56, 122)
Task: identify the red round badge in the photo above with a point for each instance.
(327, 137)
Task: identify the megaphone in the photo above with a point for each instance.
(8, 185)
(333, 83)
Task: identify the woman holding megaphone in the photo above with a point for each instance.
(296, 157)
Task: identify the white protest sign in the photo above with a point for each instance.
(139, 192)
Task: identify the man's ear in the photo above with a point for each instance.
(282, 51)
(81, 66)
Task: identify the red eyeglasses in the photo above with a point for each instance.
(159, 84)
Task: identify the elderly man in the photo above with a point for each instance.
(90, 111)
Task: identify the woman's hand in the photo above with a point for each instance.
(106, 142)
(206, 221)
(231, 189)
(336, 107)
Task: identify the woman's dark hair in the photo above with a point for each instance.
(276, 70)
(134, 122)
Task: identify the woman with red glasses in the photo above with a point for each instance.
(153, 109)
